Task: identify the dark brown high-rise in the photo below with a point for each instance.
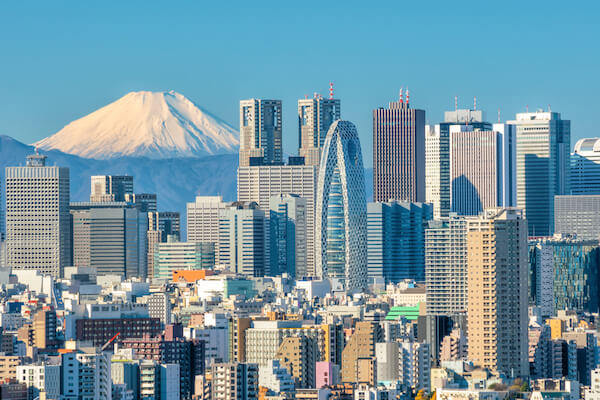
(398, 153)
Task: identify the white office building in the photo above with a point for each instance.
(203, 220)
(38, 223)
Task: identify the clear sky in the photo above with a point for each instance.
(60, 60)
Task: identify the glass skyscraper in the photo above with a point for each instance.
(341, 209)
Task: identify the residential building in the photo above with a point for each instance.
(288, 234)
(299, 355)
(497, 291)
(315, 116)
(260, 132)
(396, 240)
(276, 378)
(40, 378)
(159, 306)
(38, 223)
(259, 183)
(235, 381)
(446, 266)
(360, 346)
(399, 152)
(543, 166)
(341, 209)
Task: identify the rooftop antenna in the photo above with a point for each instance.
(455, 103)
(401, 96)
(527, 108)
(306, 96)
(407, 96)
(331, 90)
(475, 103)
(498, 115)
(549, 108)
(315, 95)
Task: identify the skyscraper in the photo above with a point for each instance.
(395, 240)
(577, 215)
(315, 116)
(260, 132)
(446, 266)
(146, 202)
(497, 269)
(341, 212)
(543, 167)
(437, 156)
(169, 222)
(243, 239)
(259, 183)
(203, 220)
(110, 237)
(287, 221)
(482, 168)
(399, 153)
(38, 227)
(110, 187)
(585, 167)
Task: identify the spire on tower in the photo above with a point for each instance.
(455, 103)
(475, 103)
(407, 96)
(401, 96)
(331, 90)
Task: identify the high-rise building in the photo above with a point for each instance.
(543, 167)
(299, 355)
(110, 187)
(243, 239)
(437, 156)
(360, 346)
(395, 240)
(172, 256)
(110, 237)
(497, 269)
(154, 236)
(398, 153)
(146, 202)
(259, 183)
(577, 215)
(446, 266)
(260, 132)
(203, 220)
(169, 223)
(287, 222)
(585, 167)
(564, 275)
(38, 223)
(315, 116)
(235, 381)
(482, 168)
(159, 306)
(341, 209)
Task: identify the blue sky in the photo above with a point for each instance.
(61, 60)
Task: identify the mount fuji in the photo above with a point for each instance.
(155, 125)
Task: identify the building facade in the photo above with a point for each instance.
(315, 116)
(110, 187)
(173, 256)
(398, 153)
(396, 240)
(585, 167)
(38, 227)
(543, 166)
(260, 132)
(577, 215)
(341, 209)
(288, 234)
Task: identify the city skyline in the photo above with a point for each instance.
(92, 65)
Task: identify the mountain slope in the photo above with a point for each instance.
(155, 125)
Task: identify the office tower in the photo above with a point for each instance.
(38, 225)
(235, 381)
(482, 168)
(585, 167)
(437, 156)
(243, 239)
(446, 266)
(203, 220)
(395, 240)
(259, 183)
(110, 237)
(564, 274)
(341, 209)
(260, 132)
(146, 202)
(360, 346)
(110, 187)
(497, 291)
(577, 215)
(169, 222)
(543, 167)
(153, 237)
(287, 222)
(315, 116)
(173, 256)
(398, 153)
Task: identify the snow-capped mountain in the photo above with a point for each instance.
(155, 125)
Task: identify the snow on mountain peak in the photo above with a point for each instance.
(146, 124)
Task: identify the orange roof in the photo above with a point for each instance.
(191, 275)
